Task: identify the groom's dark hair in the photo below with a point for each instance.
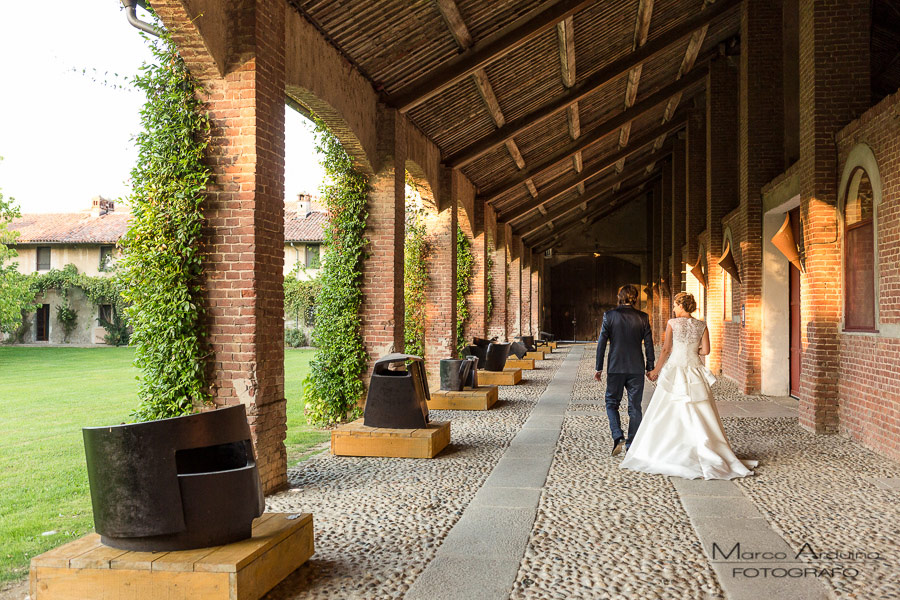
(628, 294)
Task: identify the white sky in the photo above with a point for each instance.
(65, 137)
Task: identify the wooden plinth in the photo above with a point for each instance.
(526, 364)
(481, 398)
(552, 345)
(355, 439)
(508, 376)
(532, 356)
(86, 569)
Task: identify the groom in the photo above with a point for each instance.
(624, 328)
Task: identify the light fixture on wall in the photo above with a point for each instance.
(786, 244)
(697, 271)
(726, 261)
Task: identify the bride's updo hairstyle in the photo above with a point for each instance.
(686, 301)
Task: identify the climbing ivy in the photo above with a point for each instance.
(464, 268)
(161, 267)
(415, 280)
(300, 295)
(333, 388)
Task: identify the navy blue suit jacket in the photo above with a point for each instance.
(624, 328)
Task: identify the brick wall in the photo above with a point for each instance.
(537, 262)
(868, 400)
(834, 89)
(382, 307)
(721, 189)
(679, 193)
(760, 159)
(695, 210)
(471, 221)
(244, 218)
(514, 285)
(497, 239)
(525, 325)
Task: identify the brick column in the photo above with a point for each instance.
(514, 286)
(656, 260)
(695, 210)
(526, 290)
(834, 85)
(498, 320)
(679, 193)
(665, 270)
(721, 189)
(244, 218)
(537, 262)
(440, 290)
(471, 221)
(760, 159)
(381, 312)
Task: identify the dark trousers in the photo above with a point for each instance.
(615, 384)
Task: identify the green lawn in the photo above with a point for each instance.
(46, 396)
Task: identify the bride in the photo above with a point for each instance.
(682, 434)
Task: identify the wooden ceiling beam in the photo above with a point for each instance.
(641, 31)
(591, 84)
(514, 35)
(596, 135)
(598, 192)
(547, 241)
(590, 172)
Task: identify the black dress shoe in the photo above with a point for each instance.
(618, 445)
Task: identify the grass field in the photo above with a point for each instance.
(46, 396)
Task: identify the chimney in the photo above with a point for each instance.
(101, 206)
(304, 205)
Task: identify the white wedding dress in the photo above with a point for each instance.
(681, 434)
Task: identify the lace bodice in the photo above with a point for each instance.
(687, 333)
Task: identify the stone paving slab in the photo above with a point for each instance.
(483, 578)
(520, 472)
(507, 497)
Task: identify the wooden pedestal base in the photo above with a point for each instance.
(526, 364)
(536, 355)
(481, 398)
(508, 376)
(355, 439)
(86, 569)
(552, 345)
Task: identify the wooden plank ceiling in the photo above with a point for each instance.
(557, 110)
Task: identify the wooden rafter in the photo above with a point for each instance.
(590, 85)
(566, 34)
(641, 31)
(597, 191)
(463, 37)
(480, 55)
(598, 134)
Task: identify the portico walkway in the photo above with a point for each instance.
(527, 503)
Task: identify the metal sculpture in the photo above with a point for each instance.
(472, 379)
(398, 398)
(455, 373)
(174, 484)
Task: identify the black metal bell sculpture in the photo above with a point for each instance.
(527, 341)
(174, 484)
(518, 349)
(495, 357)
(398, 399)
(472, 379)
(454, 373)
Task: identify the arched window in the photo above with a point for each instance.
(859, 254)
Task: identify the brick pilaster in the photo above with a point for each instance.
(679, 193)
(834, 89)
(695, 209)
(381, 312)
(537, 262)
(498, 322)
(665, 270)
(471, 221)
(244, 218)
(526, 290)
(514, 285)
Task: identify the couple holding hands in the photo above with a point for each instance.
(681, 434)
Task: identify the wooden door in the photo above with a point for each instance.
(42, 323)
(796, 332)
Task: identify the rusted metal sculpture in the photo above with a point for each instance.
(472, 379)
(398, 398)
(174, 484)
(495, 356)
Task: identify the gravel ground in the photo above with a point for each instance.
(603, 532)
(820, 490)
(379, 521)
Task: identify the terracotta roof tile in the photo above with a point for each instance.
(83, 228)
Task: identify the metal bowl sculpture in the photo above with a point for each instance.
(174, 484)
(472, 379)
(454, 373)
(518, 349)
(495, 357)
(398, 397)
(527, 341)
